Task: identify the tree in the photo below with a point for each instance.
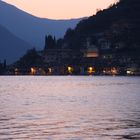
(59, 43)
(50, 42)
(30, 59)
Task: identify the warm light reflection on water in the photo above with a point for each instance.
(69, 108)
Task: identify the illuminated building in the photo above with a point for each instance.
(33, 71)
(90, 70)
(91, 50)
(70, 70)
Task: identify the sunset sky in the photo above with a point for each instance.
(61, 9)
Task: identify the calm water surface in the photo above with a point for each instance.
(69, 108)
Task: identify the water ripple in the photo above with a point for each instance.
(69, 108)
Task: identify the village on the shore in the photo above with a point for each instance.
(107, 43)
(64, 61)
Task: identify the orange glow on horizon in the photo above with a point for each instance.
(61, 9)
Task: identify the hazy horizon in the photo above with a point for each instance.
(63, 9)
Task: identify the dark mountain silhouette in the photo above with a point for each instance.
(30, 28)
(119, 23)
(11, 47)
(126, 11)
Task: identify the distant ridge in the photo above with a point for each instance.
(11, 47)
(30, 28)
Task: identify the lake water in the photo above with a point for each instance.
(69, 108)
